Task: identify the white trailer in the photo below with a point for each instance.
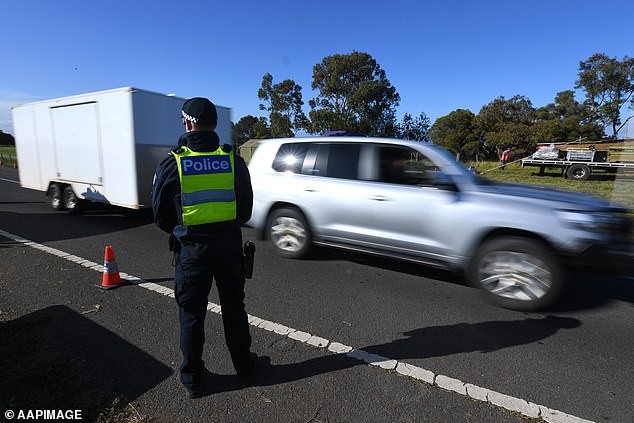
(102, 146)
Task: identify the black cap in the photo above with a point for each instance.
(200, 110)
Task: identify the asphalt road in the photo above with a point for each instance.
(576, 359)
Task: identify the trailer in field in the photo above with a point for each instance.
(578, 170)
(102, 146)
(579, 163)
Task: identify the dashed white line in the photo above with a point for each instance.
(478, 393)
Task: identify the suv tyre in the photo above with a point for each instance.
(518, 273)
(290, 233)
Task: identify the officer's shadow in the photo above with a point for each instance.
(420, 343)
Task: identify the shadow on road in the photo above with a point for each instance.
(469, 337)
(410, 268)
(585, 291)
(57, 358)
(420, 343)
(594, 291)
(44, 227)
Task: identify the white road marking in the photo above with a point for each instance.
(9, 180)
(478, 393)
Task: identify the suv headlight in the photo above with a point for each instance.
(604, 222)
(577, 219)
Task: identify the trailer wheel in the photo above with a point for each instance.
(579, 172)
(55, 194)
(71, 202)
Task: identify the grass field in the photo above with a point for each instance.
(8, 154)
(617, 188)
(7, 149)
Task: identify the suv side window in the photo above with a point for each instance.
(290, 157)
(402, 165)
(335, 160)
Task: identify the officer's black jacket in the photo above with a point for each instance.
(166, 192)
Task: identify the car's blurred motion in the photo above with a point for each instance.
(413, 201)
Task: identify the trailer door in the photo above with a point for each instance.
(77, 143)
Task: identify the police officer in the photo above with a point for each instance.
(201, 195)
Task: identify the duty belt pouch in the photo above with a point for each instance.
(174, 244)
(175, 247)
(249, 257)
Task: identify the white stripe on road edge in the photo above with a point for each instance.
(507, 402)
(9, 180)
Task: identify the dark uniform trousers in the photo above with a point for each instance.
(197, 265)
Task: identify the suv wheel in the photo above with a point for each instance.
(289, 231)
(518, 273)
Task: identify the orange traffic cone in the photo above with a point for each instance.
(111, 278)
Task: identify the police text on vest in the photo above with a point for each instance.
(198, 165)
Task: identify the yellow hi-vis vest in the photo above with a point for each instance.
(207, 186)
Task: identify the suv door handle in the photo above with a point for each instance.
(310, 189)
(380, 198)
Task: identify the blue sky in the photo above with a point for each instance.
(440, 55)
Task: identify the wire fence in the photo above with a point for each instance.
(8, 160)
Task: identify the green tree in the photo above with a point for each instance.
(455, 132)
(609, 85)
(506, 123)
(284, 104)
(249, 127)
(354, 94)
(565, 120)
(412, 128)
(6, 139)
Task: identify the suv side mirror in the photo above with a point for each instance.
(442, 181)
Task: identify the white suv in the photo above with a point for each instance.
(413, 201)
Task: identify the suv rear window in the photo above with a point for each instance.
(333, 160)
(290, 157)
